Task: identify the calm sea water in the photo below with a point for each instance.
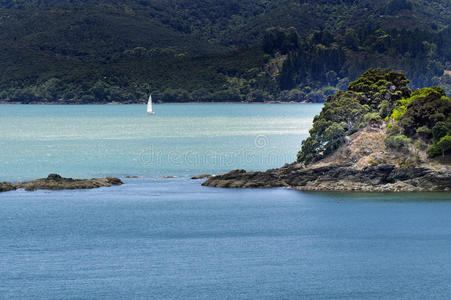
(99, 140)
(163, 238)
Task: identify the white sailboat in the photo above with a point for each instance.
(149, 106)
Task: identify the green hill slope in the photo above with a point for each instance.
(84, 51)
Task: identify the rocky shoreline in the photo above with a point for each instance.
(56, 182)
(379, 178)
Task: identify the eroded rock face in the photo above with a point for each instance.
(379, 178)
(56, 182)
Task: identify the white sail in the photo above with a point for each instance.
(149, 106)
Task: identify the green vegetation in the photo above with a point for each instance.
(426, 116)
(417, 119)
(399, 142)
(77, 51)
(445, 144)
(346, 112)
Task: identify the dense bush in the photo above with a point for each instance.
(424, 132)
(380, 86)
(421, 117)
(439, 130)
(445, 144)
(340, 116)
(398, 142)
(427, 107)
(372, 119)
(248, 50)
(426, 115)
(346, 112)
(433, 151)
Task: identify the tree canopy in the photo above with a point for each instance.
(421, 115)
(73, 51)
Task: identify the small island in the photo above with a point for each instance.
(378, 136)
(56, 182)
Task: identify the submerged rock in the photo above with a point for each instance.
(57, 182)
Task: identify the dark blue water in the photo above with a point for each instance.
(172, 238)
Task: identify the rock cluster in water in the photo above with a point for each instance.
(56, 182)
(380, 178)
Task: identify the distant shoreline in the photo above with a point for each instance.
(143, 103)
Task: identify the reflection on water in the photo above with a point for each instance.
(100, 140)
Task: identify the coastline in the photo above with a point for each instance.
(340, 178)
(144, 103)
(362, 164)
(377, 136)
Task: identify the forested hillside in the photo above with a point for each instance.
(86, 51)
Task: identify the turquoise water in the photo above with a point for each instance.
(99, 140)
(162, 238)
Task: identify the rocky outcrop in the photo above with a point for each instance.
(56, 182)
(366, 139)
(202, 176)
(363, 163)
(6, 187)
(379, 178)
